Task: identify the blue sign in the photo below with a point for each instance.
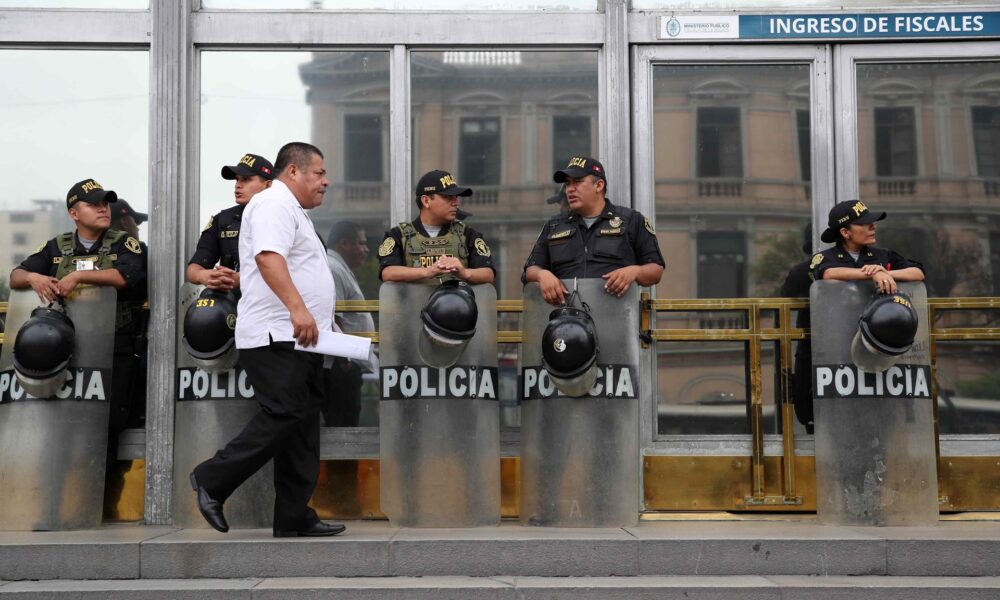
(870, 25)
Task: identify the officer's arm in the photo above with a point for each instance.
(908, 274)
(478, 275)
(104, 277)
(408, 274)
(845, 274)
(649, 274)
(552, 288)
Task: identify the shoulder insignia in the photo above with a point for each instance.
(40, 248)
(649, 226)
(816, 260)
(615, 222)
(561, 234)
(133, 244)
(387, 246)
(209, 225)
(482, 248)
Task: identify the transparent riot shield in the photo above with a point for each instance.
(212, 408)
(875, 460)
(580, 456)
(53, 450)
(439, 428)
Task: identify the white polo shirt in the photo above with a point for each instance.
(275, 222)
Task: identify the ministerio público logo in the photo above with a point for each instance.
(673, 27)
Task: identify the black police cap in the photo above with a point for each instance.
(579, 166)
(248, 166)
(847, 213)
(440, 182)
(89, 191)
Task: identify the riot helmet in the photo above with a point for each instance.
(42, 350)
(449, 317)
(210, 329)
(569, 349)
(886, 330)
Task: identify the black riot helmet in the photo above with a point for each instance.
(210, 330)
(569, 349)
(885, 332)
(449, 316)
(42, 350)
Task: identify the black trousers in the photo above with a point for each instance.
(288, 387)
(342, 407)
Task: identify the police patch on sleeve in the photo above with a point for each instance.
(815, 261)
(133, 244)
(209, 225)
(649, 226)
(40, 248)
(387, 245)
(482, 248)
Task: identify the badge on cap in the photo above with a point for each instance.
(387, 245)
(482, 248)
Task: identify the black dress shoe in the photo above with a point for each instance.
(317, 529)
(210, 509)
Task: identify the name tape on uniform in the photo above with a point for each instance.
(849, 381)
(197, 384)
(81, 384)
(457, 381)
(613, 381)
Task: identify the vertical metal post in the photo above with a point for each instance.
(400, 151)
(616, 138)
(170, 144)
(787, 408)
(756, 404)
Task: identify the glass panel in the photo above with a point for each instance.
(338, 101)
(457, 5)
(490, 118)
(731, 156)
(73, 128)
(968, 387)
(931, 162)
(701, 388)
(104, 4)
(733, 202)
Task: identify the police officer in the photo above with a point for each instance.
(855, 257)
(219, 242)
(94, 254)
(796, 285)
(594, 238)
(436, 245)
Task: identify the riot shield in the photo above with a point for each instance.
(53, 450)
(212, 408)
(875, 460)
(439, 427)
(580, 456)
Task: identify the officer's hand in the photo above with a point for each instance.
(67, 284)
(436, 270)
(617, 281)
(870, 270)
(552, 288)
(884, 282)
(304, 328)
(46, 287)
(453, 265)
(219, 278)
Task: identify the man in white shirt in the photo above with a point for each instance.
(288, 297)
(346, 251)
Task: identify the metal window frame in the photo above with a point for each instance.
(644, 59)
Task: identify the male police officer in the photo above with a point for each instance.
(219, 240)
(436, 244)
(854, 257)
(94, 254)
(594, 238)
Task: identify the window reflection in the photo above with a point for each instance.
(732, 151)
(72, 128)
(497, 124)
(338, 101)
(404, 4)
(931, 162)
